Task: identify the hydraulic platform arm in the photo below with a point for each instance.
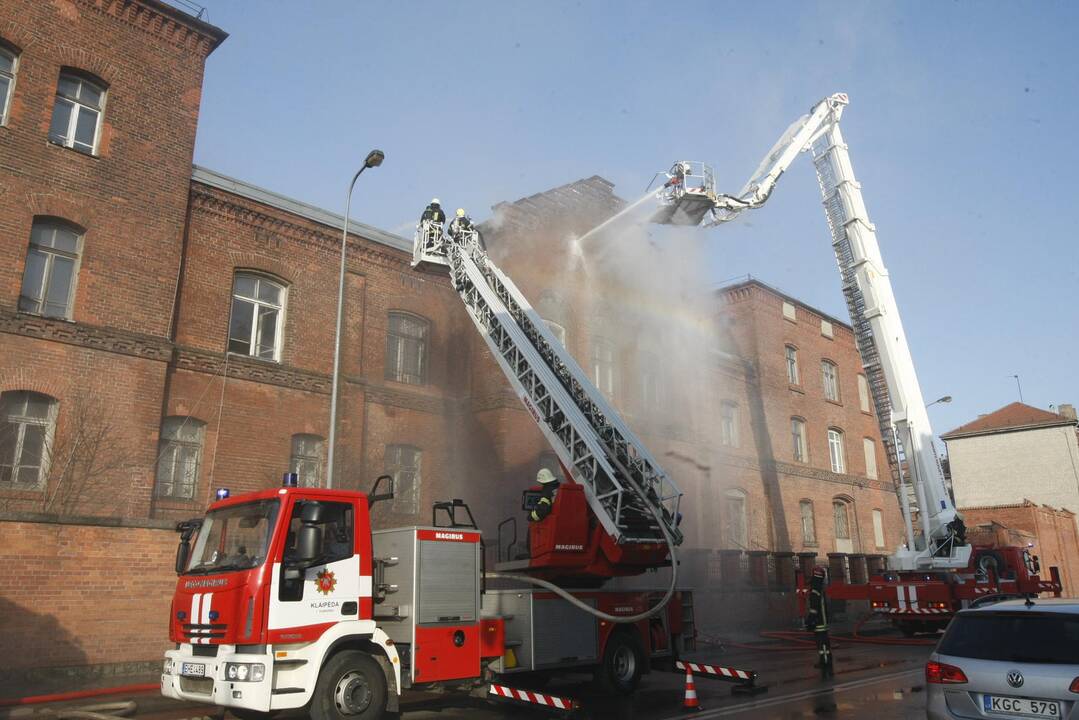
(631, 496)
(878, 329)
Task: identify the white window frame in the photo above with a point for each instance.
(790, 353)
(728, 423)
(830, 383)
(405, 500)
(838, 505)
(558, 330)
(737, 536)
(77, 108)
(863, 393)
(21, 421)
(604, 370)
(835, 450)
(50, 254)
(256, 305)
(799, 441)
(5, 100)
(396, 343)
(301, 462)
(174, 447)
(878, 527)
(809, 522)
(869, 447)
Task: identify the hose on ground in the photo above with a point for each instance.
(101, 711)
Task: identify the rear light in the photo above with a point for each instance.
(941, 674)
(1075, 685)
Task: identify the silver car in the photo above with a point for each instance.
(1013, 659)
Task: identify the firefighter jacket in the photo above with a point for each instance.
(817, 616)
(543, 506)
(434, 214)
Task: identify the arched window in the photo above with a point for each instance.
(791, 353)
(809, 522)
(306, 460)
(27, 424)
(52, 267)
(830, 380)
(406, 348)
(835, 450)
(179, 457)
(737, 529)
(256, 320)
(76, 116)
(403, 463)
(799, 448)
(9, 62)
(842, 512)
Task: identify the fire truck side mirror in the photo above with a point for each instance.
(308, 544)
(183, 551)
(375, 496)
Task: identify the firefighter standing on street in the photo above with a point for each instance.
(549, 487)
(817, 622)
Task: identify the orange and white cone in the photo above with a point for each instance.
(691, 702)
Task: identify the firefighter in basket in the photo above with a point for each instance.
(431, 222)
(548, 485)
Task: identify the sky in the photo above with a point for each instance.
(960, 128)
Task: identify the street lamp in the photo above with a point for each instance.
(374, 159)
(945, 399)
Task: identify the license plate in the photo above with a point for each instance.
(193, 669)
(1021, 706)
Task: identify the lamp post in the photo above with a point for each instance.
(945, 399)
(374, 159)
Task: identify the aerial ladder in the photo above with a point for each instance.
(690, 198)
(633, 521)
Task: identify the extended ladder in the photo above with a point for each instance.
(625, 486)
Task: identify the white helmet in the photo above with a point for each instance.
(686, 168)
(545, 477)
(434, 201)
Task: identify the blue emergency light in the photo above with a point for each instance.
(291, 479)
(222, 493)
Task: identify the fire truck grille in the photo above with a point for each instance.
(204, 631)
(202, 686)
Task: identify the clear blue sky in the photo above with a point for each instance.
(961, 128)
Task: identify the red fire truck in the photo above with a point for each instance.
(288, 598)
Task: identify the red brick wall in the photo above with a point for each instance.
(1055, 538)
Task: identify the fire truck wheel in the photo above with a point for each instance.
(623, 663)
(351, 686)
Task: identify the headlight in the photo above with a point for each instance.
(167, 669)
(245, 672)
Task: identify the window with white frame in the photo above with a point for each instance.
(258, 310)
(798, 440)
(406, 348)
(306, 460)
(737, 529)
(604, 372)
(835, 450)
(8, 67)
(27, 423)
(863, 393)
(841, 512)
(809, 522)
(76, 116)
(830, 380)
(52, 266)
(878, 528)
(557, 330)
(728, 424)
(869, 447)
(179, 457)
(403, 464)
(792, 364)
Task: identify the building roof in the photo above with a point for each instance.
(751, 281)
(296, 207)
(1010, 418)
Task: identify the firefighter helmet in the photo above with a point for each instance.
(434, 201)
(545, 477)
(460, 212)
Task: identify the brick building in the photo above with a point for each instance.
(165, 330)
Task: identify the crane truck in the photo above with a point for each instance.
(289, 598)
(935, 572)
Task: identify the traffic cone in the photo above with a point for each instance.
(691, 702)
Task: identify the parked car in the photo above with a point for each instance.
(1012, 659)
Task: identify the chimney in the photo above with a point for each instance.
(1067, 411)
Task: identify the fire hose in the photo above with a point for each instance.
(101, 711)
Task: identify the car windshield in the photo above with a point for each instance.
(1029, 637)
(234, 538)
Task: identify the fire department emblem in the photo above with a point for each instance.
(325, 582)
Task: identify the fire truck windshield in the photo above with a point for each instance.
(234, 538)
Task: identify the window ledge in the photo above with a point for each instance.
(796, 388)
(244, 356)
(43, 316)
(811, 544)
(59, 146)
(867, 413)
(837, 403)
